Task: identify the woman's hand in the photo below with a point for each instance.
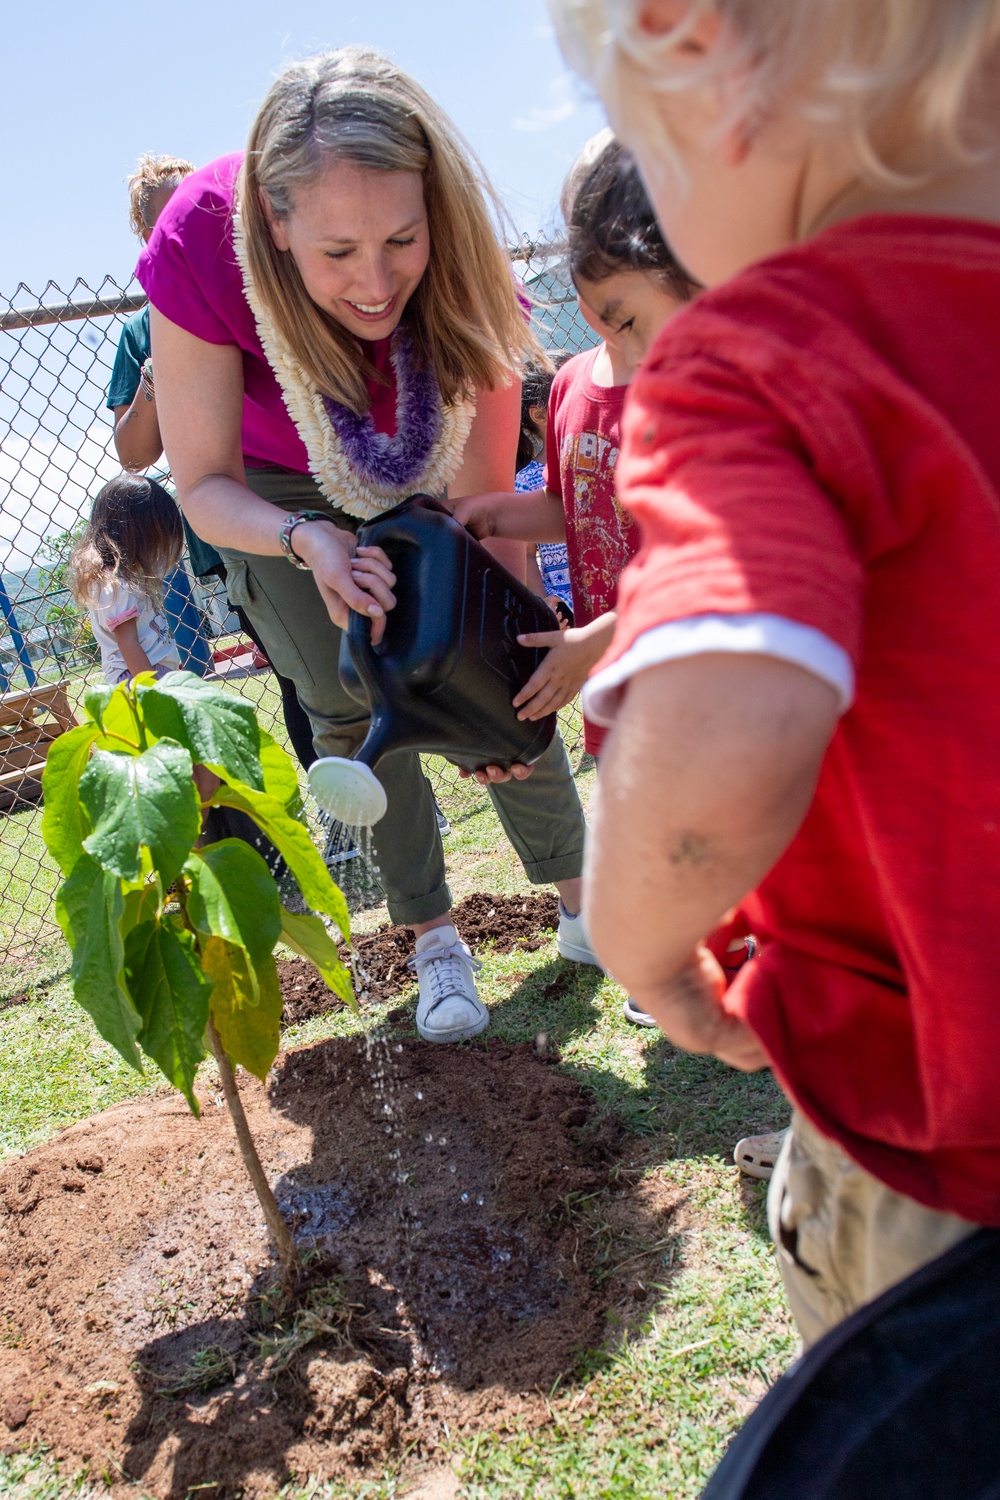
(688, 1009)
(347, 576)
(492, 775)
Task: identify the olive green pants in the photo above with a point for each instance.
(541, 816)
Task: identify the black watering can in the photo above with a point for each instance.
(442, 678)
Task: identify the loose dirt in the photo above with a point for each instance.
(508, 922)
(462, 1214)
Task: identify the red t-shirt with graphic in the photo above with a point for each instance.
(819, 440)
(581, 451)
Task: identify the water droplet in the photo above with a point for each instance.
(388, 1130)
(480, 1202)
(453, 1168)
(419, 1094)
(428, 1139)
(443, 1140)
(399, 1046)
(465, 1197)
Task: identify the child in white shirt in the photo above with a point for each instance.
(133, 539)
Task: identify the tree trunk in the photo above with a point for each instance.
(280, 1234)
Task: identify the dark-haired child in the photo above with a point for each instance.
(133, 539)
(628, 284)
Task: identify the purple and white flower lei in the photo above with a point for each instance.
(376, 458)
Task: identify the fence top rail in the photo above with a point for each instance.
(70, 312)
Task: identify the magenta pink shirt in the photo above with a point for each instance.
(190, 274)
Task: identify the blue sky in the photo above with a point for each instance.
(87, 89)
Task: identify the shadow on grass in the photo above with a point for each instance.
(686, 1106)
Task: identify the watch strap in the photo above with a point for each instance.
(288, 525)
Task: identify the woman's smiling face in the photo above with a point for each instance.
(361, 242)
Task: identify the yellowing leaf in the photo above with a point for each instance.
(281, 777)
(248, 1027)
(307, 935)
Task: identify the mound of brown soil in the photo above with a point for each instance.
(509, 922)
(439, 1191)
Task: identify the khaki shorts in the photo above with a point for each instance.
(842, 1237)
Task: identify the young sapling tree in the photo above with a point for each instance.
(173, 941)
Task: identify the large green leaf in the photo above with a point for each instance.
(246, 1007)
(63, 825)
(218, 728)
(291, 839)
(233, 896)
(171, 995)
(113, 710)
(96, 700)
(307, 935)
(144, 799)
(281, 777)
(89, 907)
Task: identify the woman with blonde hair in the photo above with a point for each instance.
(335, 327)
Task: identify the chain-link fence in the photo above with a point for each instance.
(57, 449)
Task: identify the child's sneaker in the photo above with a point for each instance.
(449, 1009)
(572, 941)
(638, 1017)
(756, 1155)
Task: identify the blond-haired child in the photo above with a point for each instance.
(800, 675)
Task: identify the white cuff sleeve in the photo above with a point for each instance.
(756, 635)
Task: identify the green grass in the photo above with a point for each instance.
(652, 1412)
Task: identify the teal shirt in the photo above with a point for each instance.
(133, 351)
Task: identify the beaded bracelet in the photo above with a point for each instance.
(288, 526)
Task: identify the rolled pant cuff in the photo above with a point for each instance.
(421, 908)
(547, 871)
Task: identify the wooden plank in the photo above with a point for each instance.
(29, 790)
(25, 755)
(28, 734)
(61, 710)
(20, 708)
(22, 773)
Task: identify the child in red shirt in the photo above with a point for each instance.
(813, 456)
(628, 284)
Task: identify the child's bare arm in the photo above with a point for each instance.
(127, 640)
(536, 516)
(708, 773)
(566, 666)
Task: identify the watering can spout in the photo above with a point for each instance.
(348, 790)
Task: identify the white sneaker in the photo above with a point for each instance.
(757, 1155)
(448, 1010)
(572, 940)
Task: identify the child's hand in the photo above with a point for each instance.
(477, 514)
(565, 668)
(689, 1009)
